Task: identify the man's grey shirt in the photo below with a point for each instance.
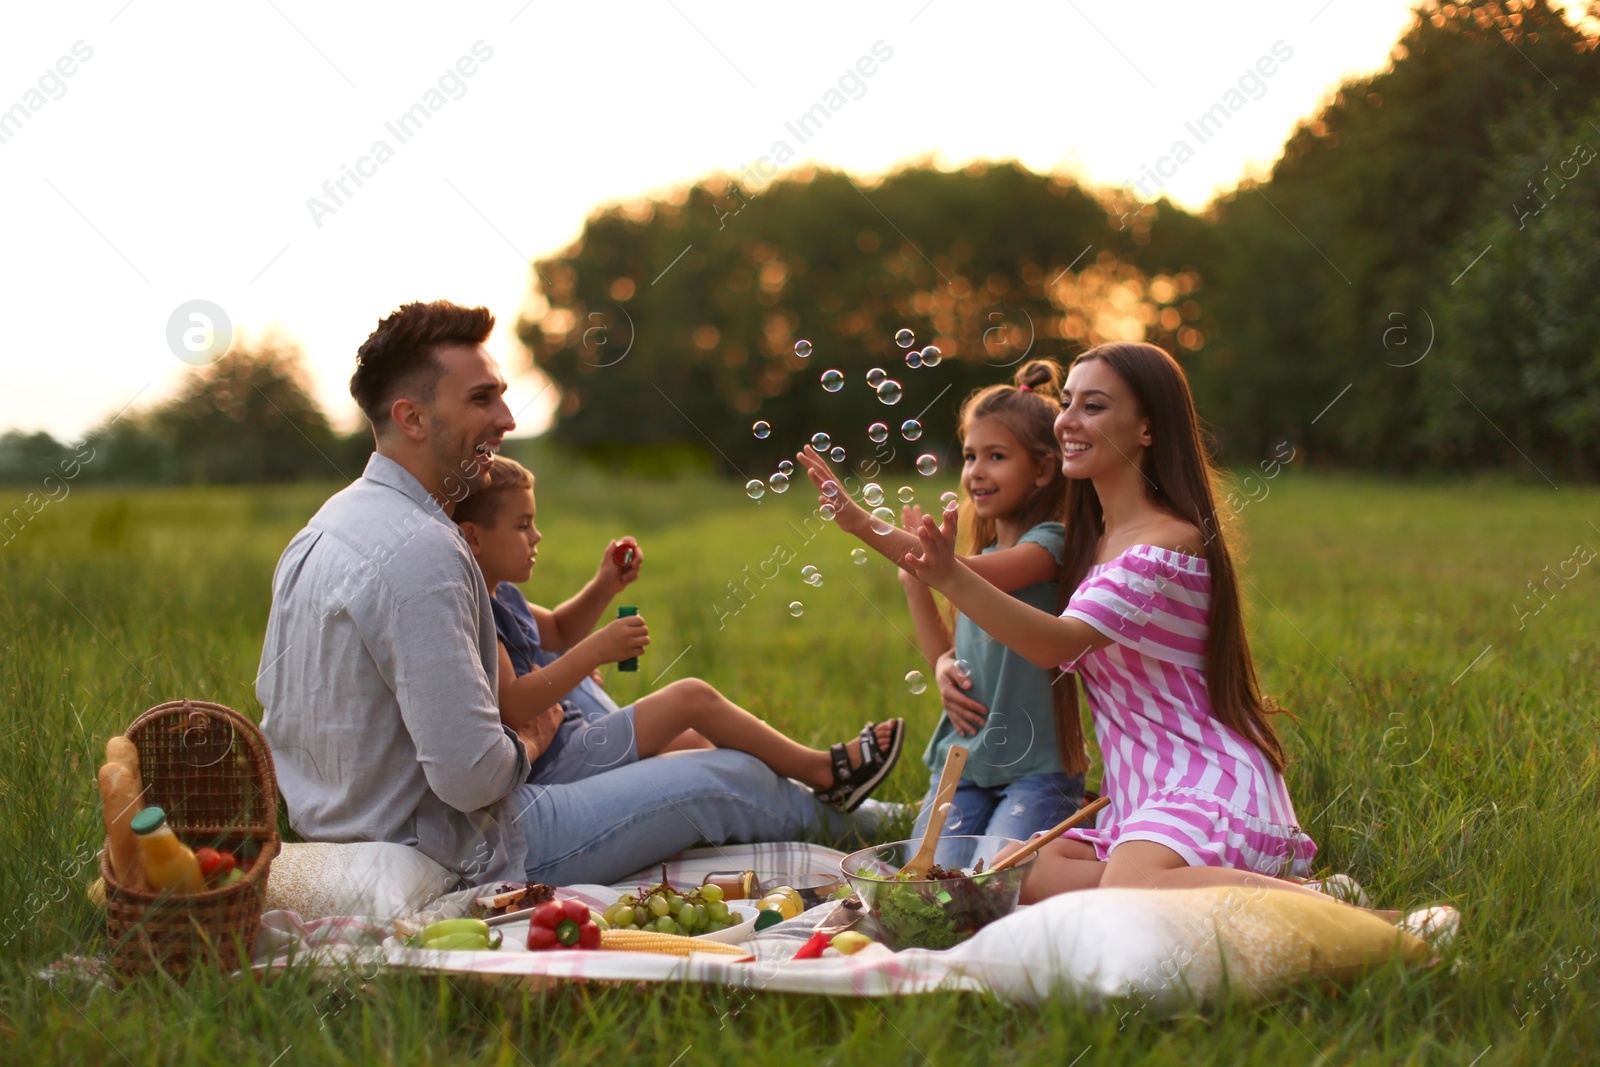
(378, 680)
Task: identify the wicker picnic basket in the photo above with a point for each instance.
(209, 768)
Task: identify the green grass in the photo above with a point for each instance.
(1426, 780)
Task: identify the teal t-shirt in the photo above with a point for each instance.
(1018, 738)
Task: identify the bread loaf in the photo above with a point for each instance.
(120, 750)
(119, 793)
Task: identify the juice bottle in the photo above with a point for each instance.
(169, 864)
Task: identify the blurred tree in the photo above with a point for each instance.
(26, 458)
(1523, 325)
(675, 321)
(1361, 222)
(249, 418)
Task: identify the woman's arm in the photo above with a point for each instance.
(1042, 639)
(932, 635)
(1008, 569)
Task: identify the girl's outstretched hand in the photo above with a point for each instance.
(851, 517)
(937, 564)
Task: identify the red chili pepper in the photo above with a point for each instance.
(562, 924)
(812, 949)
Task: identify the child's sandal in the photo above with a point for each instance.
(852, 785)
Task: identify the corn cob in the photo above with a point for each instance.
(667, 944)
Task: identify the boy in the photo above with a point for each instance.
(572, 729)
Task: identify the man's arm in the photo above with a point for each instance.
(470, 759)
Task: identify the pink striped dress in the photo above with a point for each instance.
(1175, 775)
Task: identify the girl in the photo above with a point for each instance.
(570, 726)
(1154, 632)
(997, 705)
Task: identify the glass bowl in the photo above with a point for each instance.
(939, 912)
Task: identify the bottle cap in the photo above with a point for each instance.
(149, 820)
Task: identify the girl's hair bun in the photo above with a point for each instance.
(1042, 376)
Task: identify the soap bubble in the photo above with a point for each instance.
(807, 571)
(802, 349)
(905, 338)
(889, 391)
(796, 608)
(872, 493)
(785, 467)
(778, 483)
(911, 429)
(963, 666)
(827, 512)
(875, 375)
(907, 494)
(882, 521)
(837, 455)
(815, 581)
(949, 500)
(755, 489)
(858, 556)
(820, 441)
(916, 683)
(832, 380)
(761, 430)
(931, 356)
(877, 433)
(927, 464)
(913, 359)
(830, 488)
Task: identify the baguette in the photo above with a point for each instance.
(120, 750)
(119, 793)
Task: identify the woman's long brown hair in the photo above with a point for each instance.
(1179, 479)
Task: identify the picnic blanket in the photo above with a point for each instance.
(1159, 949)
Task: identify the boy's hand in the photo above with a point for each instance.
(620, 639)
(621, 562)
(964, 713)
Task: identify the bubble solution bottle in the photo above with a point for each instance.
(169, 864)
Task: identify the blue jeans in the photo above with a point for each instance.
(603, 828)
(1016, 809)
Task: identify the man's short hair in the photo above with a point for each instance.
(483, 505)
(398, 358)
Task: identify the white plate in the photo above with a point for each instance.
(515, 933)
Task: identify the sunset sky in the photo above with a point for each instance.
(185, 155)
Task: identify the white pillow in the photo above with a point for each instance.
(375, 879)
(1166, 947)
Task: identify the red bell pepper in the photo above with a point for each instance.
(559, 924)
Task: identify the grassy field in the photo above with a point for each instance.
(1443, 750)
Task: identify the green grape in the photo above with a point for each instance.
(665, 925)
(718, 910)
(658, 905)
(710, 893)
(712, 926)
(624, 915)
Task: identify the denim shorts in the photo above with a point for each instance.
(585, 747)
(1016, 809)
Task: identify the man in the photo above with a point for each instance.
(378, 674)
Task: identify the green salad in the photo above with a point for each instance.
(941, 911)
